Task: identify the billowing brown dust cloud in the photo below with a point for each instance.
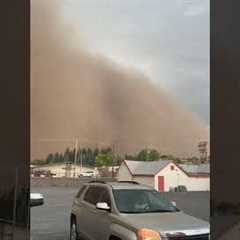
(77, 95)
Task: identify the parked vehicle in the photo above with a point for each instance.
(42, 173)
(130, 211)
(87, 174)
(180, 188)
(36, 199)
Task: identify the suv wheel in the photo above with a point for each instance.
(73, 230)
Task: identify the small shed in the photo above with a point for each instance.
(163, 175)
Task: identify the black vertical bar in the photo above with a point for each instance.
(15, 112)
(225, 112)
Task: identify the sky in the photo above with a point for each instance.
(166, 40)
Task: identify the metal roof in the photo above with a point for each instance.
(196, 169)
(146, 168)
(153, 167)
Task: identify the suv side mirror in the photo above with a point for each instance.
(102, 206)
(174, 203)
(36, 199)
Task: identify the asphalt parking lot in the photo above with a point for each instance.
(51, 221)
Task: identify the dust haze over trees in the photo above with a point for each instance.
(104, 157)
(74, 94)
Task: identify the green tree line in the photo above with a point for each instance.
(104, 157)
(86, 156)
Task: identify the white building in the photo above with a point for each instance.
(62, 170)
(164, 175)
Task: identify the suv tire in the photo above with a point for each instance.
(73, 230)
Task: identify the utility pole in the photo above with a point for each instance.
(81, 161)
(75, 157)
(113, 158)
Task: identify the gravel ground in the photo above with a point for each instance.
(51, 221)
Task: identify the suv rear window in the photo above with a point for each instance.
(93, 194)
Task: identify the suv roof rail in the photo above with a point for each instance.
(96, 181)
(133, 182)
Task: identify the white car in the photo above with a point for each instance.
(87, 174)
(36, 199)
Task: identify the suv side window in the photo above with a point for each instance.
(93, 194)
(105, 197)
(80, 192)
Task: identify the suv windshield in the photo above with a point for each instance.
(141, 201)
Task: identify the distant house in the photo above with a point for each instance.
(164, 175)
(64, 170)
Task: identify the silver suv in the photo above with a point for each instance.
(130, 211)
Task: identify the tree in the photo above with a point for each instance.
(90, 157)
(177, 160)
(106, 150)
(148, 155)
(67, 155)
(169, 157)
(104, 160)
(78, 155)
(61, 158)
(56, 158)
(84, 156)
(95, 152)
(50, 158)
(142, 155)
(39, 162)
(194, 160)
(72, 155)
(118, 160)
(154, 155)
(130, 157)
